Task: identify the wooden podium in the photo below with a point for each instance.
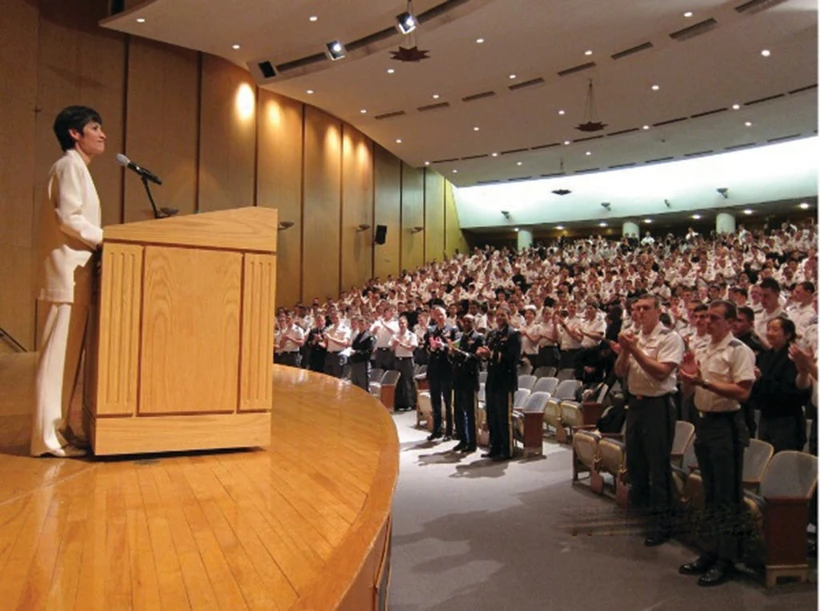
(180, 348)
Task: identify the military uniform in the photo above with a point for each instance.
(465, 387)
(502, 382)
(361, 348)
(317, 349)
(440, 375)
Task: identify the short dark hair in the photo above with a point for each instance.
(729, 308)
(788, 327)
(771, 284)
(76, 118)
(748, 312)
(701, 307)
(807, 286)
(739, 290)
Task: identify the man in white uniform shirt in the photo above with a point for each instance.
(384, 329)
(70, 233)
(338, 340)
(721, 377)
(770, 300)
(289, 340)
(802, 310)
(404, 344)
(530, 336)
(649, 362)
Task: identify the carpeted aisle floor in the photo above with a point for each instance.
(475, 535)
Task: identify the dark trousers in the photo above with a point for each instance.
(569, 358)
(441, 387)
(650, 429)
(383, 358)
(719, 445)
(291, 359)
(499, 421)
(532, 359)
(784, 433)
(465, 406)
(406, 388)
(549, 356)
(334, 362)
(360, 374)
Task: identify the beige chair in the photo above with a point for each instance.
(544, 371)
(684, 434)
(545, 384)
(781, 515)
(572, 416)
(528, 423)
(755, 460)
(387, 388)
(526, 382)
(424, 410)
(552, 414)
(376, 376)
(585, 454)
(612, 461)
(520, 398)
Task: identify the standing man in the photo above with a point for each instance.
(770, 302)
(721, 381)
(440, 371)
(70, 233)
(361, 348)
(465, 384)
(337, 338)
(317, 346)
(649, 362)
(502, 350)
(289, 342)
(384, 329)
(404, 344)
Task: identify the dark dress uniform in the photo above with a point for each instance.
(316, 352)
(465, 387)
(751, 340)
(440, 376)
(502, 382)
(361, 347)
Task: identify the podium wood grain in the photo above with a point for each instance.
(301, 525)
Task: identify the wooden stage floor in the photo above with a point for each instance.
(290, 526)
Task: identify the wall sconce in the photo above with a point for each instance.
(416, 229)
(363, 227)
(285, 225)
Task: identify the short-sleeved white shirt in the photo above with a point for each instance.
(729, 361)
(664, 346)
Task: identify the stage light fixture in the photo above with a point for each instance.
(363, 227)
(335, 50)
(405, 23)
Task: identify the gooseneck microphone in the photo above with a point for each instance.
(142, 172)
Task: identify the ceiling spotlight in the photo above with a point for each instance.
(363, 111)
(519, 163)
(426, 163)
(588, 52)
(645, 127)
(398, 140)
(748, 124)
(735, 106)
(606, 205)
(567, 142)
(588, 153)
(655, 87)
(405, 23)
(804, 206)
(747, 212)
(765, 53)
(512, 76)
(436, 96)
(479, 41)
(562, 112)
(140, 19)
(559, 227)
(455, 171)
(335, 50)
(235, 47)
(724, 192)
(476, 128)
(648, 221)
(696, 217)
(390, 71)
(313, 18)
(687, 14)
(309, 91)
(602, 224)
(516, 230)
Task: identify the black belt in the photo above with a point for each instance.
(718, 414)
(403, 358)
(645, 398)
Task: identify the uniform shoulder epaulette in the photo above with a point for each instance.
(666, 331)
(736, 343)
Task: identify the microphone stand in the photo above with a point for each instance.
(160, 213)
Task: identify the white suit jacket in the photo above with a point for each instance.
(70, 231)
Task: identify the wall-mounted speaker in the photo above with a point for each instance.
(381, 234)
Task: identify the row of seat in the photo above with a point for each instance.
(777, 493)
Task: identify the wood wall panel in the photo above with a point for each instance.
(453, 236)
(322, 205)
(387, 169)
(433, 216)
(412, 217)
(227, 136)
(279, 184)
(161, 126)
(357, 208)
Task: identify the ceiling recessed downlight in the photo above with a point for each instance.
(512, 76)
(765, 53)
(398, 140)
(562, 112)
(804, 206)
(519, 163)
(735, 106)
(479, 41)
(559, 227)
(588, 52)
(655, 87)
(688, 14)
(140, 19)
(648, 221)
(235, 47)
(697, 217)
(747, 211)
(455, 171)
(309, 91)
(748, 124)
(313, 18)
(645, 127)
(602, 224)
(476, 128)
(390, 70)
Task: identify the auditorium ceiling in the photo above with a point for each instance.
(507, 81)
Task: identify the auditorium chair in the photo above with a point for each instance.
(482, 377)
(376, 375)
(424, 410)
(387, 388)
(681, 472)
(586, 457)
(527, 423)
(520, 397)
(545, 384)
(756, 458)
(612, 460)
(552, 414)
(567, 373)
(780, 516)
(526, 381)
(544, 371)
(684, 434)
(524, 368)
(420, 375)
(566, 389)
(571, 416)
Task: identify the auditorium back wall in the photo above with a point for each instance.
(216, 140)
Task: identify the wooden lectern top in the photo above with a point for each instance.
(246, 229)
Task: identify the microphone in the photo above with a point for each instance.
(146, 174)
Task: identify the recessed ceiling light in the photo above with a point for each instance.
(588, 153)
(735, 106)
(140, 19)
(588, 52)
(494, 154)
(567, 142)
(655, 87)
(765, 53)
(390, 71)
(646, 127)
(426, 163)
(748, 124)
(455, 171)
(235, 47)
(648, 221)
(313, 18)
(696, 217)
(516, 230)
(476, 128)
(688, 14)
(309, 91)
(602, 224)
(512, 76)
(747, 211)
(436, 96)
(804, 205)
(398, 140)
(519, 163)
(363, 111)
(479, 40)
(559, 227)
(562, 112)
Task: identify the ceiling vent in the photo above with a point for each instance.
(766, 99)
(783, 138)
(301, 63)
(529, 83)
(802, 89)
(478, 96)
(632, 50)
(755, 6)
(437, 106)
(390, 115)
(577, 69)
(699, 153)
(669, 121)
(697, 29)
(709, 112)
(625, 131)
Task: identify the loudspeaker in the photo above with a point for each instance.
(381, 234)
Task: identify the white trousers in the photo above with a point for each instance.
(58, 366)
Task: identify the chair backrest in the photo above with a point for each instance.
(566, 374)
(755, 459)
(482, 377)
(526, 382)
(566, 390)
(482, 394)
(536, 402)
(390, 377)
(790, 474)
(547, 384)
(520, 397)
(544, 371)
(690, 460)
(684, 432)
(599, 398)
(376, 374)
(524, 368)
(419, 370)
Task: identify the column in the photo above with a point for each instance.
(524, 238)
(725, 223)
(630, 230)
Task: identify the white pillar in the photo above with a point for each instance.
(524, 238)
(725, 223)
(630, 230)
